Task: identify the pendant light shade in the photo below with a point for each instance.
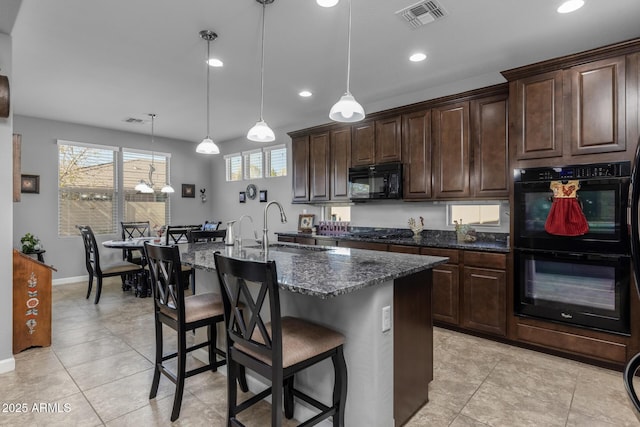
(261, 132)
(347, 109)
(143, 187)
(207, 146)
(327, 3)
(167, 189)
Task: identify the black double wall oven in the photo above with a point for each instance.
(579, 280)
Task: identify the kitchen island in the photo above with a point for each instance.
(389, 363)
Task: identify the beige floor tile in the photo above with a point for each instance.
(93, 350)
(432, 414)
(101, 371)
(464, 421)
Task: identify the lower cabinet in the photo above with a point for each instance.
(446, 286)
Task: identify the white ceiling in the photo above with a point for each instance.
(100, 62)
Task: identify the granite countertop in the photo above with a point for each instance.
(317, 270)
(485, 242)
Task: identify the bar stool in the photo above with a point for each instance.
(275, 350)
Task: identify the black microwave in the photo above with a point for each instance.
(377, 182)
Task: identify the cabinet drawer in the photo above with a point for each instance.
(577, 344)
(404, 249)
(485, 260)
(305, 240)
(362, 245)
(452, 254)
(286, 239)
(326, 242)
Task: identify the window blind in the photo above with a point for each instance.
(276, 160)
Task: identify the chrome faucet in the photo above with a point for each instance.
(239, 222)
(265, 229)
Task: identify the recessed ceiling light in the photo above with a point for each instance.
(215, 62)
(570, 6)
(327, 3)
(417, 57)
(305, 94)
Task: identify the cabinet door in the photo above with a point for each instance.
(363, 144)
(451, 151)
(416, 155)
(537, 116)
(300, 168)
(445, 297)
(340, 163)
(319, 167)
(490, 157)
(596, 113)
(485, 300)
(388, 146)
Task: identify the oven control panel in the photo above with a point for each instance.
(589, 171)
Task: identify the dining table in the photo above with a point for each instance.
(140, 283)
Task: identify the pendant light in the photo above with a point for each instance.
(261, 132)
(327, 3)
(142, 186)
(347, 109)
(167, 187)
(207, 146)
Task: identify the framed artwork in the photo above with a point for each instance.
(242, 197)
(263, 195)
(189, 190)
(305, 223)
(30, 184)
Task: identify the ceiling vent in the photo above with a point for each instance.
(132, 120)
(422, 13)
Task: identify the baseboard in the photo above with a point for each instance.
(68, 280)
(7, 365)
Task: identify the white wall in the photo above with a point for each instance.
(7, 362)
(37, 213)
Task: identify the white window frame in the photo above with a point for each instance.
(227, 165)
(267, 160)
(246, 163)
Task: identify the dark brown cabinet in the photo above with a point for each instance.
(596, 112)
(446, 286)
(319, 152)
(340, 163)
(490, 155)
(416, 155)
(376, 141)
(300, 168)
(485, 290)
(451, 149)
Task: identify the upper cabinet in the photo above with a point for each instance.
(574, 109)
(451, 151)
(340, 162)
(300, 168)
(376, 141)
(416, 154)
(319, 152)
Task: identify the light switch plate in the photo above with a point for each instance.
(386, 318)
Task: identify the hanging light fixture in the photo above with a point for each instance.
(142, 186)
(347, 109)
(207, 146)
(261, 132)
(167, 187)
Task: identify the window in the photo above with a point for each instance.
(88, 183)
(252, 164)
(86, 187)
(484, 215)
(275, 161)
(152, 207)
(233, 166)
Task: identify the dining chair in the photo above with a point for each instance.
(198, 236)
(95, 268)
(277, 349)
(132, 230)
(176, 234)
(182, 314)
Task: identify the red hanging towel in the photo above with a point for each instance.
(566, 217)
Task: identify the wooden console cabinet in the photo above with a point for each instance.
(31, 303)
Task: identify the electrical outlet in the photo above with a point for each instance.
(386, 318)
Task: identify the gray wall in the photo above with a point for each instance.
(7, 362)
(37, 213)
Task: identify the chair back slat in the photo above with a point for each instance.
(250, 295)
(166, 281)
(195, 236)
(134, 229)
(178, 233)
(92, 255)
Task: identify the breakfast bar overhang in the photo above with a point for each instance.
(389, 360)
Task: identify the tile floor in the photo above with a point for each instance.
(98, 371)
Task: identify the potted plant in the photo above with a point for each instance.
(30, 243)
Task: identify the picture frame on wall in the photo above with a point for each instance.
(30, 184)
(189, 190)
(263, 196)
(242, 197)
(305, 223)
